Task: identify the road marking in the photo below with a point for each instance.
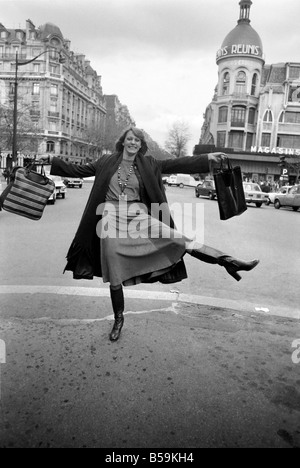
(174, 296)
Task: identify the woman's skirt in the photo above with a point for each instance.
(135, 245)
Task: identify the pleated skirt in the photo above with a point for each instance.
(135, 245)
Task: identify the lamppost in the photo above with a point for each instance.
(15, 111)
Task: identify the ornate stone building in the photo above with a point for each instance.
(255, 111)
(60, 107)
(117, 119)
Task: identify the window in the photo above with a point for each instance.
(268, 117)
(221, 139)
(223, 114)
(36, 88)
(295, 73)
(54, 90)
(290, 117)
(226, 83)
(52, 126)
(236, 140)
(249, 140)
(238, 116)
(53, 106)
(53, 69)
(241, 83)
(50, 147)
(254, 84)
(251, 116)
(36, 67)
(266, 139)
(288, 141)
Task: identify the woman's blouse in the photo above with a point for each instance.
(131, 191)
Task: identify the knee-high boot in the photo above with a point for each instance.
(232, 265)
(117, 300)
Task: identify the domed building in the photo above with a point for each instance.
(255, 111)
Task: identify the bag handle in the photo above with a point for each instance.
(229, 168)
(30, 167)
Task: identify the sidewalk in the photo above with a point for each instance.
(182, 375)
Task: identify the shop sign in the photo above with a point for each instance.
(276, 150)
(239, 49)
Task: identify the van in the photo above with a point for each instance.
(182, 180)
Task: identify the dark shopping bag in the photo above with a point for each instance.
(27, 193)
(230, 192)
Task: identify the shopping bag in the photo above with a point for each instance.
(230, 192)
(27, 193)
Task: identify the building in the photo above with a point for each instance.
(255, 111)
(60, 107)
(117, 119)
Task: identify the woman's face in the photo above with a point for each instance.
(132, 144)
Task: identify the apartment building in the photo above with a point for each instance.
(255, 111)
(60, 103)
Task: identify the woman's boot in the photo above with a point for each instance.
(232, 265)
(117, 300)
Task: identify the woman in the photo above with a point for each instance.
(126, 234)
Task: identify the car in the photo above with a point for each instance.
(272, 195)
(60, 188)
(74, 182)
(206, 189)
(254, 194)
(289, 199)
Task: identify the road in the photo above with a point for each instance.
(33, 253)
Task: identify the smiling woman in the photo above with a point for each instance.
(127, 235)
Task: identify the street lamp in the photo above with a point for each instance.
(20, 64)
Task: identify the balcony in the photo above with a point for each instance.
(237, 124)
(53, 114)
(35, 113)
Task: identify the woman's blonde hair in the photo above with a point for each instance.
(139, 134)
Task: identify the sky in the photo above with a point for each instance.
(158, 56)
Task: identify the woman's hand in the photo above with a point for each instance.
(215, 159)
(46, 160)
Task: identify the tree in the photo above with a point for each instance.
(178, 138)
(28, 131)
(94, 141)
(154, 149)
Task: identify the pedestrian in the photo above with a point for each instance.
(128, 191)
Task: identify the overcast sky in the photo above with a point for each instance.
(158, 56)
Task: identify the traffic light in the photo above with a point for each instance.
(282, 162)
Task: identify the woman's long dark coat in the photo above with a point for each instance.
(83, 257)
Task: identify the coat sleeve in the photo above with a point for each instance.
(187, 165)
(66, 169)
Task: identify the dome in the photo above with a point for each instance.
(244, 34)
(243, 40)
(50, 29)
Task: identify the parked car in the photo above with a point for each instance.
(206, 189)
(254, 194)
(272, 195)
(290, 199)
(60, 188)
(74, 182)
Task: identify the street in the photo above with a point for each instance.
(208, 362)
(33, 253)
